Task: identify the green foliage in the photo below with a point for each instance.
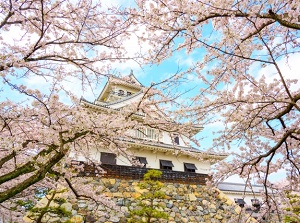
(39, 212)
(60, 211)
(59, 200)
(27, 204)
(147, 208)
(293, 208)
(51, 204)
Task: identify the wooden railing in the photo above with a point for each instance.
(137, 173)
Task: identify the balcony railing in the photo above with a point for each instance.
(137, 173)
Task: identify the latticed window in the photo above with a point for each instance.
(176, 140)
(142, 160)
(190, 167)
(256, 204)
(108, 158)
(120, 92)
(151, 133)
(166, 164)
(140, 133)
(240, 202)
(146, 133)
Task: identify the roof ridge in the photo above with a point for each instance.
(131, 76)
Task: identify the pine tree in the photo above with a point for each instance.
(147, 208)
(293, 209)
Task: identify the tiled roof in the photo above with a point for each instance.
(239, 187)
(155, 144)
(105, 106)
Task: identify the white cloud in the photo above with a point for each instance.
(117, 3)
(273, 178)
(182, 59)
(235, 179)
(289, 67)
(16, 36)
(70, 84)
(278, 176)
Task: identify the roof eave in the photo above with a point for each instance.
(86, 103)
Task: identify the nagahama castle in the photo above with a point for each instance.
(151, 148)
(157, 151)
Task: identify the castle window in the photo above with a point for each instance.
(151, 133)
(129, 93)
(240, 202)
(190, 167)
(256, 204)
(120, 92)
(108, 158)
(142, 160)
(146, 133)
(176, 140)
(166, 164)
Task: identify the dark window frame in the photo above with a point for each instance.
(121, 92)
(176, 140)
(142, 160)
(190, 167)
(240, 202)
(166, 164)
(108, 158)
(256, 204)
(255, 201)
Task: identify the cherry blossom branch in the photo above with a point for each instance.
(255, 161)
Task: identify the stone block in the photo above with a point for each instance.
(127, 194)
(114, 219)
(139, 190)
(108, 194)
(112, 181)
(136, 195)
(117, 195)
(82, 204)
(192, 197)
(67, 206)
(77, 219)
(184, 220)
(90, 219)
(199, 208)
(169, 204)
(219, 217)
(212, 206)
(124, 209)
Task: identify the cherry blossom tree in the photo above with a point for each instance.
(37, 140)
(246, 84)
(248, 74)
(54, 41)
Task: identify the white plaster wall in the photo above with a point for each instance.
(166, 137)
(76, 156)
(125, 88)
(154, 157)
(178, 161)
(127, 102)
(185, 140)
